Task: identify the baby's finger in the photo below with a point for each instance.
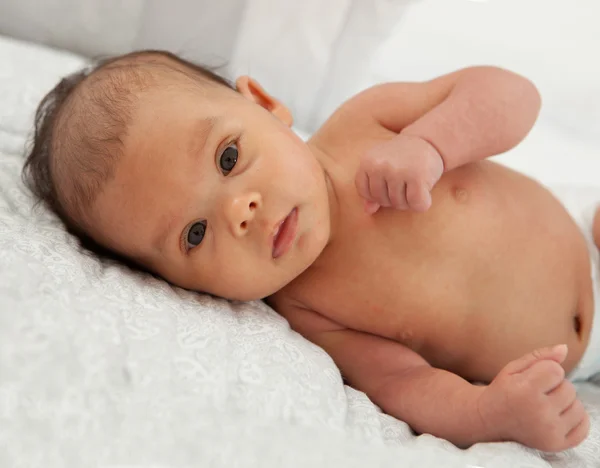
(362, 184)
(555, 353)
(580, 432)
(575, 422)
(379, 190)
(397, 195)
(545, 376)
(371, 207)
(563, 396)
(418, 196)
(573, 415)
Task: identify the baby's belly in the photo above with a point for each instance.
(495, 269)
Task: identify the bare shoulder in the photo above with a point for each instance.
(352, 123)
(366, 361)
(309, 323)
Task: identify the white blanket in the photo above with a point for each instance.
(101, 366)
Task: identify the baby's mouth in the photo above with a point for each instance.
(285, 233)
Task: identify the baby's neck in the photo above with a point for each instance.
(328, 165)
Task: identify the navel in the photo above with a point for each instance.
(577, 325)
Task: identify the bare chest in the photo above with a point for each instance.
(494, 269)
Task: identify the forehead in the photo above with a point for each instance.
(175, 106)
(172, 123)
(179, 120)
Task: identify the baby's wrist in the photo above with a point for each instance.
(432, 151)
(493, 415)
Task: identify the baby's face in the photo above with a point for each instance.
(215, 194)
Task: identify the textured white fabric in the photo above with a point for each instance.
(101, 366)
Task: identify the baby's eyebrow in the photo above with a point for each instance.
(200, 132)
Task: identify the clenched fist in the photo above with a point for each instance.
(399, 173)
(531, 402)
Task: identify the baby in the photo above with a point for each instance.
(387, 239)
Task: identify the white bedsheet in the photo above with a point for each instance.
(100, 366)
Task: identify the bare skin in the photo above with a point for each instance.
(475, 282)
(460, 270)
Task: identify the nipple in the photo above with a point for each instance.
(461, 194)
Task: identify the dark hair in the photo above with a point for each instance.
(79, 130)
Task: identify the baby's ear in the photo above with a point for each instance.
(251, 89)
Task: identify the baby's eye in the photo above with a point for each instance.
(228, 159)
(195, 234)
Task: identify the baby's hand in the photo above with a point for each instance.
(530, 402)
(399, 173)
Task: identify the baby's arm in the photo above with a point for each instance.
(467, 115)
(528, 402)
(404, 385)
(441, 124)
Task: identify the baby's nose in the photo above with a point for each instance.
(241, 211)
